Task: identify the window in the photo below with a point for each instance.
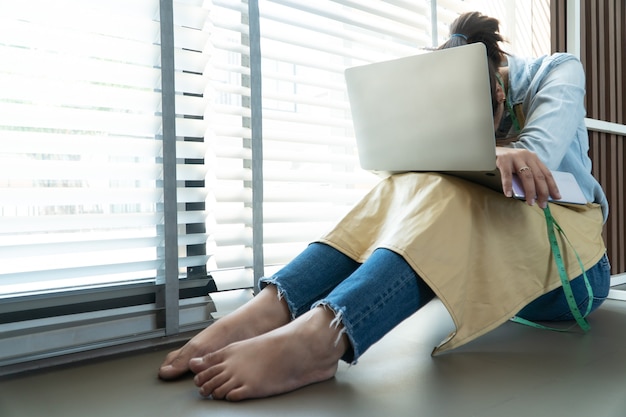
(84, 242)
(134, 206)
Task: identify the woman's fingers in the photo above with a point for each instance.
(534, 183)
(535, 178)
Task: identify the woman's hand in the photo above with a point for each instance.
(535, 177)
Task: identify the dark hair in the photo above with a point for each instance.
(475, 27)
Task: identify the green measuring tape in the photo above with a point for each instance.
(567, 288)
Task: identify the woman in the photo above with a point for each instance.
(420, 235)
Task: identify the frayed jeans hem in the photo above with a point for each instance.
(264, 282)
(352, 353)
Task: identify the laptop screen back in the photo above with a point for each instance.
(429, 112)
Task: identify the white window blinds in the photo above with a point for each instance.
(78, 124)
(311, 171)
(82, 246)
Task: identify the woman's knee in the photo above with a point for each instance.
(553, 306)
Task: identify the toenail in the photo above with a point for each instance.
(204, 394)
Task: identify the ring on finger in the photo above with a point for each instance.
(524, 168)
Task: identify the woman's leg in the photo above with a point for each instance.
(356, 313)
(307, 278)
(553, 306)
(376, 298)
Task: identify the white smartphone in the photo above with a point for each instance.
(568, 187)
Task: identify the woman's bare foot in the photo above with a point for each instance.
(263, 313)
(300, 353)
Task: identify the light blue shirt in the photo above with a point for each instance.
(551, 91)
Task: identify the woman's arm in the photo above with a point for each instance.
(553, 116)
(554, 112)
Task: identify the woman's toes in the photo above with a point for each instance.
(173, 366)
(217, 386)
(197, 365)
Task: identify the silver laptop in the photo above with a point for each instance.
(428, 112)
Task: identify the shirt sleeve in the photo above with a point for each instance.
(554, 109)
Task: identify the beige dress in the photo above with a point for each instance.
(484, 255)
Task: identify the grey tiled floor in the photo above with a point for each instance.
(512, 371)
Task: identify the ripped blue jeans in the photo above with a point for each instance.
(370, 299)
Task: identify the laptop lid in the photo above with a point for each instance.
(432, 112)
(428, 112)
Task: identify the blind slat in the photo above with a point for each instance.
(47, 117)
(76, 277)
(66, 144)
(73, 68)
